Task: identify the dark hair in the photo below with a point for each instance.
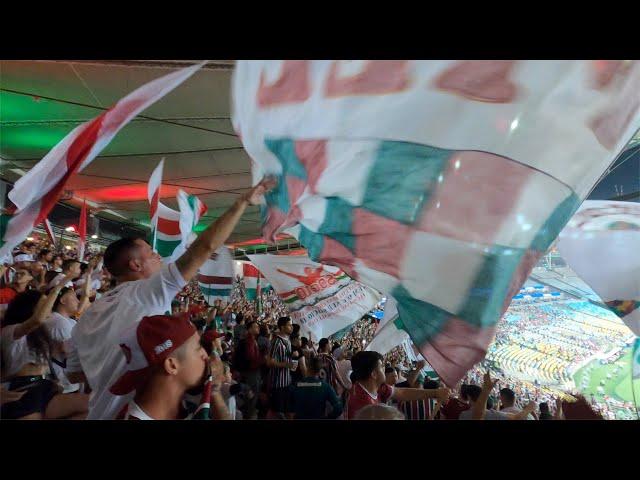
(116, 256)
(44, 252)
(544, 407)
(508, 395)
(294, 336)
(430, 384)
(250, 324)
(83, 267)
(264, 330)
(239, 318)
(66, 265)
(473, 392)
(61, 293)
(314, 365)
(50, 275)
(296, 328)
(282, 321)
(304, 341)
(323, 343)
(389, 369)
(20, 309)
(489, 403)
(363, 364)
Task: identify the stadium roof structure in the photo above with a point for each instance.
(42, 101)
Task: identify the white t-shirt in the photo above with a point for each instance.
(489, 415)
(59, 328)
(515, 409)
(134, 410)
(16, 353)
(97, 334)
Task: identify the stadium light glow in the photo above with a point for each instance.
(68, 247)
(70, 229)
(30, 239)
(94, 236)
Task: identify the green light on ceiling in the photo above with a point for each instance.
(24, 108)
(31, 137)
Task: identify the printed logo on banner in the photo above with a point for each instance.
(314, 281)
(321, 298)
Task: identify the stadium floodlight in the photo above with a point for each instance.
(94, 236)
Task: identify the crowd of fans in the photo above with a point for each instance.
(124, 336)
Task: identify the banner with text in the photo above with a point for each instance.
(322, 299)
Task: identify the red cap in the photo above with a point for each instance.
(149, 343)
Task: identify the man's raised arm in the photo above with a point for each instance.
(218, 232)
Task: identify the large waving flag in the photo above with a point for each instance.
(36, 193)
(439, 183)
(215, 277)
(601, 243)
(82, 231)
(322, 299)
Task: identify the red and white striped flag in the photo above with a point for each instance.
(49, 229)
(153, 193)
(36, 193)
(82, 231)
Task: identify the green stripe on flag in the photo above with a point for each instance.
(165, 248)
(421, 320)
(402, 178)
(215, 292)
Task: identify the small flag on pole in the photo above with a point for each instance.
(49, 229)
(82, 231)
(153, 194)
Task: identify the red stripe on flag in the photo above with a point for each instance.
(78, 152)
(168, 227)
(203, 209)
(249, 270)
(154, 202)
(209, 279)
